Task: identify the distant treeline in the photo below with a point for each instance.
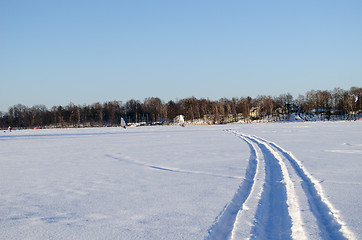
(337, 102)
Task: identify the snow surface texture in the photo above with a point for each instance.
(254, 181)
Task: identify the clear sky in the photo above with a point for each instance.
(85, 51)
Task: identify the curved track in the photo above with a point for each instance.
(277, 199)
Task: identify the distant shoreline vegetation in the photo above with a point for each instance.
(337, 104)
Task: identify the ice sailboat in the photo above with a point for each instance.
(181, 121)
(123, 123)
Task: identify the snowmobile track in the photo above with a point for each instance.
(266, 199)
(225, 222)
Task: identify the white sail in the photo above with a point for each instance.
(123, 123)
(181, 121)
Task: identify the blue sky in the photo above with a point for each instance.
(57, 52)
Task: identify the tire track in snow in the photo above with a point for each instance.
(278, 214)
(245, 219)
(224, 224)
(329, 220)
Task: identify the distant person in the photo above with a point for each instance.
(10, 128)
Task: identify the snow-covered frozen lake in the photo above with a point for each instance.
(257, 181)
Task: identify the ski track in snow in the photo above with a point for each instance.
(167, 169)
(266, 206)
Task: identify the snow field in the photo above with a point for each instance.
(139, 183)
(255, 181)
